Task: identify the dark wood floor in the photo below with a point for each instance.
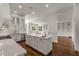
(76, 53)
(31, 51)
(64, 47)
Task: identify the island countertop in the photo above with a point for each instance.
(41, 36)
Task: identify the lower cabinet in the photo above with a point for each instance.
(43, 45)
(18, 37)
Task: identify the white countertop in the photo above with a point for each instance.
(9, 47)
(40, 35)
(4, 33)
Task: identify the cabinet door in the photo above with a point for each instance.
(45, 46)
(41, 45)
(36, 43)
(17, 37)
(26, 39)
(48, 45)
(30, 40)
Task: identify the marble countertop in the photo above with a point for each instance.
(9, 47)
(4, 33)
(41, 36)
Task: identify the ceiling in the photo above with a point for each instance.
(39, 8)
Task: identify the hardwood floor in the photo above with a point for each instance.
(76, 53)
(31, 51)
(64, 47)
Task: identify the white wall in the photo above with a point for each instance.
(4, 11)
(51, 21)
(1, 13)
(76, 28)
(52, 24)
(4, 14)
(36, 20)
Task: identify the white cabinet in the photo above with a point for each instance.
(65, 27)
(65, 24)
(18, 24)
(17, 37)
(43, 45)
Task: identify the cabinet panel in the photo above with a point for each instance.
(17, 37)
(43, 45)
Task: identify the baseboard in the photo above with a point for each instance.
(20, 41)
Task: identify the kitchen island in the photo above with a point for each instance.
(41, 43)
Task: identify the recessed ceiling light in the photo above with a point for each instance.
(20, 6)
(33, 12)
(15, 11)
(46, 5)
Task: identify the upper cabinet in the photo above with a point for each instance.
(18, 24)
